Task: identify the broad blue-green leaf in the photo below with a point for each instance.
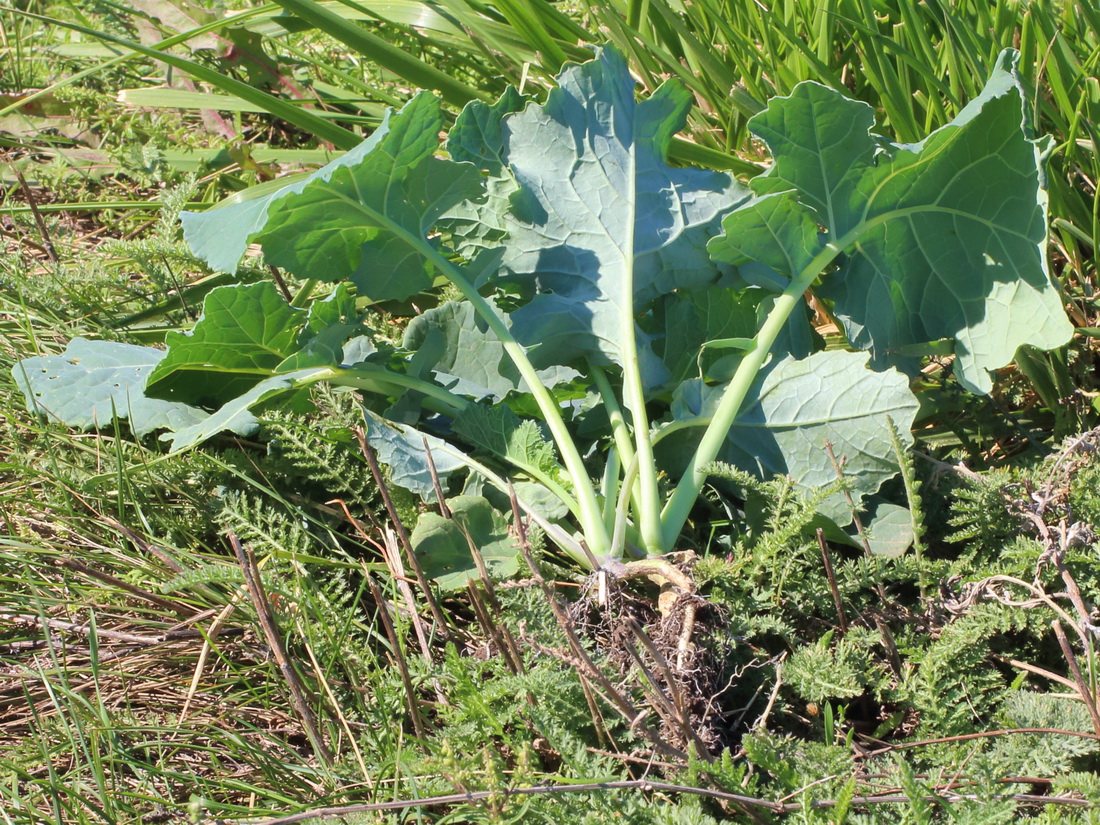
(364, 217)
(358, 350)
(236, 415)
(820, 143)
(502, 432)
(472, 354)
(521, 443)
(692, 321)
(401, 449)
(325, 349)
(478, 138)
(945, 239)
(798, 405)
(602, 225)
(93, 381)
(775, 230)
(244, 333)
(337, 308)
(533, 497)
(443, 545)
(889, 529)
(328, 326)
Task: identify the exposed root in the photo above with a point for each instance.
(685, 646)
(674, 583)
(660, 571)
(653, 643)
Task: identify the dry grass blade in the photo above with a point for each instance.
(89, 629)
(579, 656)
(746, 803)
(842, 620)
(274, 638)
(1082, 686)
(399, 658)
(402, 533)
(43, 232)
(671, 708)
(141, 593)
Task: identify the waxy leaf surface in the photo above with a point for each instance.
(91, 382)
(473, 355)
(443, 545)
(602, 225)
(944, 239)
(364, 217)
(798, 406)
(401, 448)
(776, 230)
(502, 432)
(244, 333)
(478, 138)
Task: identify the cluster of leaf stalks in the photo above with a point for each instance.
(138, 681)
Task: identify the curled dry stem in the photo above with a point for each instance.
(658, 570)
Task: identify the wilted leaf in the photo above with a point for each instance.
(155, 17)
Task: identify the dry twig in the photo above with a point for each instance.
(646, 786)
(275, 642)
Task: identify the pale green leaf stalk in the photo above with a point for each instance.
(679, 506)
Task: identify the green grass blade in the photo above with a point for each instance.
(128, 55)
(385, 54)
(683, 151)
(162, 98)
(523, 18)
(302, 118)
